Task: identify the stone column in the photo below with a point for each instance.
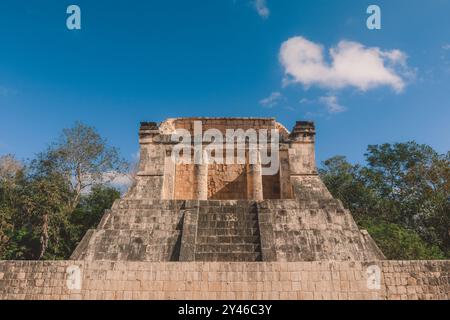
(149, 179)
(285, 177)
(254, 176)
(169, 176)
(305, 181)
(201, 178)
(301, 150)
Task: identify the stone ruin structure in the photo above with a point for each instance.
(227, 212)
(225, 230)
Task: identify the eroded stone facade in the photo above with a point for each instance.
(227, 211)
(113, 280)
(225, 231)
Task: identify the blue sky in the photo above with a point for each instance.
(138, 61)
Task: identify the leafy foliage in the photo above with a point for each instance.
(402, 196)
(400, 243)
(83, 158)
(47, 206)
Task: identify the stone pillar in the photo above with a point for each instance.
(201, 178)
(254, 176)
(189, 232)
(305, 180)
(149, 179)
(301, 151)
(169, 176)
(285, 174)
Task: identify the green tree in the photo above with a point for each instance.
(84, 158)
(91, 209)
(345, 183)
(47, 206)
(405, 184)
(11, 174)
(400, 243)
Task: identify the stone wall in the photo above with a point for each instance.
(316, 230)
(159, 177)
(225, 182)
(185, 183)
(222, 124)
(225, 280)
(136, 230)
(237, 230)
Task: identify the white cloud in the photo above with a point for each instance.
(306, 101)
(446, 46)
(272, 100)
(117, 179)
(121, 181)
(352, 65)
(332, 104)
(261, 8)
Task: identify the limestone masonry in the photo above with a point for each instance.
(226, 231)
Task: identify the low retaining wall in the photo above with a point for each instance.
(212, 280)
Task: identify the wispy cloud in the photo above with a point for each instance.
(352, 65)
(261, 8)
(445, 58)
(305, 101)
(272, 100)
(119, 180)
(332, 104)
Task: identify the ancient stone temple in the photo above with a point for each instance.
(257, 223)
(227, 212)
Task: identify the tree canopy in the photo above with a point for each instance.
(401, 195)
(47, 205)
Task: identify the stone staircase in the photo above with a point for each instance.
(228, 232)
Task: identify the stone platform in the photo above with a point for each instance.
(226, 231)
(224, 280)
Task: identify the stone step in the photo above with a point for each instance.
(132, 219)
(253, 239)
(227, 203)
(153, 224)
(233, 257)
(144, 212)
(142, 227)
(231, 248)
(229, 217)
(228, 224)
(224, 209)
(147, 206)
(227, 232)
